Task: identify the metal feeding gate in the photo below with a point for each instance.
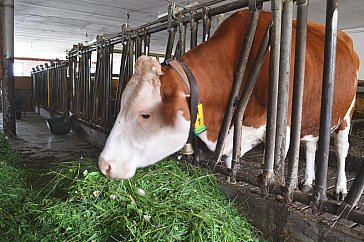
(94, 98)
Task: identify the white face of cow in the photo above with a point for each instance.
(141, 136)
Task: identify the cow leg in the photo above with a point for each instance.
(251, 137)
(311, 147)
(288, 139)
(341, 140)
(227, 160)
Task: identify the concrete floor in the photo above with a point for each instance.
(41, 148)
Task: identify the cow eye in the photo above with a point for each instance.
(145, 115)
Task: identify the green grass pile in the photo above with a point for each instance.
(165, 202)
(17, 203)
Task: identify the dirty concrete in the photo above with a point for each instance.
(42, 149)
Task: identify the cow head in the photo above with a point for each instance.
(153, 121)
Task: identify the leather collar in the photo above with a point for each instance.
(185, 73)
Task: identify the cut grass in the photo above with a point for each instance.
(165, 202)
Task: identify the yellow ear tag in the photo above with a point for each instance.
(199, 124)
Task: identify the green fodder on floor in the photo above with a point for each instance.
(164, 202)
(17, 203)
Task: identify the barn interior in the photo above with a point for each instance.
(50, 37)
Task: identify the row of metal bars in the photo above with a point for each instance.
(92, 94)
(92, 102)
(51, 86)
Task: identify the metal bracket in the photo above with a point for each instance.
(275, 5)
(193, 24)
(255, 5)
(301, 2)
(173, 12)
(316, 202)
(288, 192)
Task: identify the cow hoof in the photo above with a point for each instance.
(305, 188)
(340, 195)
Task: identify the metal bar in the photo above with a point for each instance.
(182, 39)
(147, 44)
(238, 79)
(8, 85)
(130, 58)
(283, 87)
(109, 92)
(275, 46)
(326, 100)
(170, 42)
(83, 85)
(194, 29)
(297, 97)
(122, 81)
(103, 82)
(95, 111)
(354, 194)
(206, 26)
(72, 73)
(244, 99)
(89, 84)
(138, 47)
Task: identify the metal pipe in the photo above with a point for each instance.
(147, 44)
(354, 194)
(89, 88)
(109, 94)
(275, 46)
(297, 97)
(170, 42)
(283, 87)
(326, 100)
(238, 79)
(8, 85)
(182, 39)
(206, 26)
(95, 109)
(122, 81)
(138, 47)
(130, 63)
(194, 29)
(244, 99)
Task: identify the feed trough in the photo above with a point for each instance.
(60, 125)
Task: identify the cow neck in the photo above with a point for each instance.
(189, 79)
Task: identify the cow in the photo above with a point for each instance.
(154, 120)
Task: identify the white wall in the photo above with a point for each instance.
(358, 39)
(26, 66)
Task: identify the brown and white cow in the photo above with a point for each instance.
(154, 120)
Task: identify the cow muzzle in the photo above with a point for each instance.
(116, 170)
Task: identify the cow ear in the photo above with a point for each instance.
(146, 64)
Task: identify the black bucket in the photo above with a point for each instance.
(60, 125)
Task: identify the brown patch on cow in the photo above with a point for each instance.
(345, 123)
(173, 92)
(342, 126)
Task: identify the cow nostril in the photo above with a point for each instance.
(104, 166)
